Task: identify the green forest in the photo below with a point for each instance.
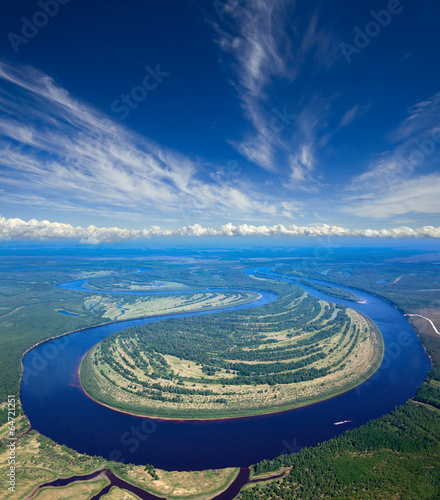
(295, 339)
(396, 456)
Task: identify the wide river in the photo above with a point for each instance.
(57, 406)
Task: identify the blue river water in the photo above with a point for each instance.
(56, 405)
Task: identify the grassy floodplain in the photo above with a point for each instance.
(80, 489)
(395, 456)
(130, 307)
(337, 293)
(30, 301)
(41, 460)
(293, 352)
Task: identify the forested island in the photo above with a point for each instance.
(292, 352)
(393, 456)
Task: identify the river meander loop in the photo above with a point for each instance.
(57, 406)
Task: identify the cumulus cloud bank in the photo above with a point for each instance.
(34, 230)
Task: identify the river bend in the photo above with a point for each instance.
(57, 407)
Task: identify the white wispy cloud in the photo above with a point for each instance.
(349, 116)
(34, 230)
(304, 143)
(420, 195)
(301, 168)
(267, 47)
(423, 118)
(54, 147)
(257, 41)
(405, 179)
(256, 44)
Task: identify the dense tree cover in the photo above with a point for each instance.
(433, 374)
(193, 275)
(409, 285)
(200, 366)
(429, 391)
(395, 456)
(28, 316)
(334, 292)
(224, 341)
(271, 354)
(29, 300)
(382, 472)
(428, 395)
(152, 471)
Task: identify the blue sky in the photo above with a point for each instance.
(274, 115)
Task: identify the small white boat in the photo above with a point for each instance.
(340, 423)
